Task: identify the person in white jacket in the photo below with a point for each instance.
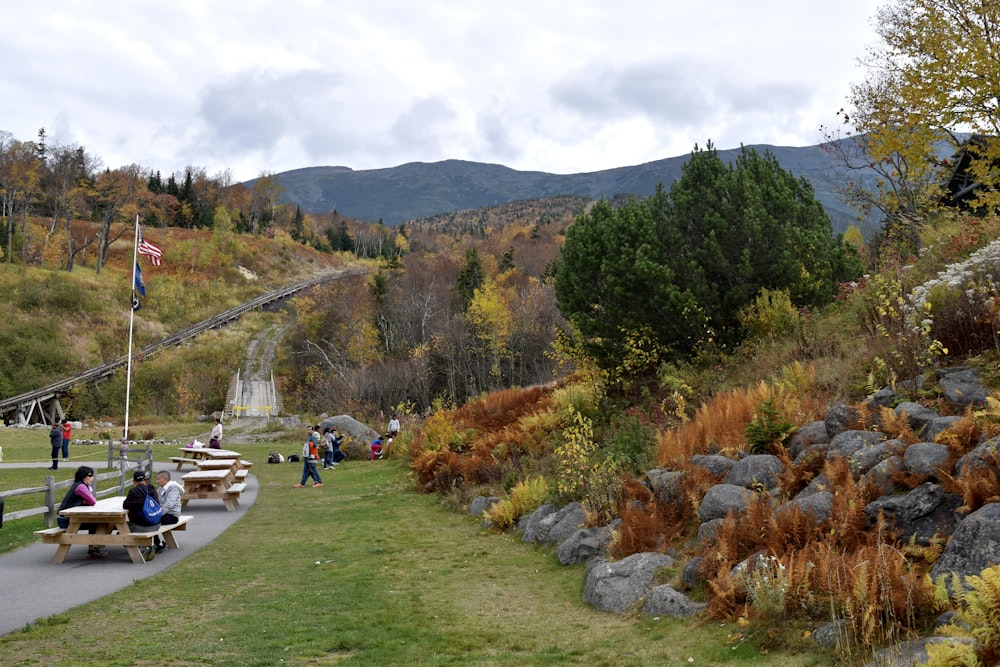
(170, 493)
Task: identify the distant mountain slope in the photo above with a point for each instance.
(409, 191)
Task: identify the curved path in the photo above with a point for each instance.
(33, 587)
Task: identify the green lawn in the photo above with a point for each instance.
(365, 572)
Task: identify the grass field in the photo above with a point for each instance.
(363, 571)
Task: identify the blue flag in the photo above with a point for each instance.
(140, 286)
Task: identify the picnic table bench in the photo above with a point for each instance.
(111, 528)
(213, 484)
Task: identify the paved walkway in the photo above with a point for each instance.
(33, 587)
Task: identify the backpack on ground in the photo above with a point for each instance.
(275, 457)
(293, 458)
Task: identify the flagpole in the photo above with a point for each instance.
(131, 320)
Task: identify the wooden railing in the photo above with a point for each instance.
(121, 476)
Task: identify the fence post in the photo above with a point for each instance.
(50, 500)
(110, 457)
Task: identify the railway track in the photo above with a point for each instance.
(25, 404)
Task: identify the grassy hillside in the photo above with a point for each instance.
(58, 322)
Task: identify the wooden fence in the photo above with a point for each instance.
(121, 478)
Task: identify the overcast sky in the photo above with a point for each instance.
(561, 86)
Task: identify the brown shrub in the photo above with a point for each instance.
(646, 523)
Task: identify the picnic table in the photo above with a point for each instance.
(213, 484)
(191, 455)
(111, 528)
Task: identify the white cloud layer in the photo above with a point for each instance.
(540, 85)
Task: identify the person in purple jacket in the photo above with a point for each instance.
(81, 492)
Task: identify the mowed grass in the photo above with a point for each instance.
(364, 571)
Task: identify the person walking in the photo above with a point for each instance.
(310, 457)
(55, 441)
(67, 431)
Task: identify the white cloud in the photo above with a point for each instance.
(536, 85)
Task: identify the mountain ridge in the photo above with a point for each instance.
(415, 190)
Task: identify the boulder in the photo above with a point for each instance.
(664, 600)
(910, 653)
(974, 546)
(692, 575)
(985, 455)
(480, 504)
(818, 504)
(618, 586)
(864, 459)
(722, 499)
(708, 530)
(918, 416)
(757, 471)
(921, 514)
(846, 443)
(551, 527)
(883, 398)
(805, 436)
(924, 458)
(584, 544)
(350, 427)
(716, 465)
(961, 386)
(527, 524)
(840, 418)
(665, 484)
(939, 425)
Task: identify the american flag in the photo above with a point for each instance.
(147, 249)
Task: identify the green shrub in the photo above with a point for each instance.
(524, 498)
(768, 428)
(770, 315)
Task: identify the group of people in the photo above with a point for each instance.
(59, 436)
(167, 493)
(329, 444)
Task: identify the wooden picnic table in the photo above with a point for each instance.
(111, 528)
(212, 484)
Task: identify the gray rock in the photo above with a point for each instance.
(818, 504)
(840, 418)
(552, 527)
(921, 514)
(584, 544)
(939, 425)
(664, 600)
(708, 530)
(813, 455)
(816, 485)
(924, 458)
(883, 398)
(350, 427)
(846, 443)
(831, 635)
(974, 546)
(910, 653)
(528, 524)
(722, 499)
(882, 473)
(568, 520)
(692, 575)
(962, 386)
(756, 471)
(805, 436)
(620, 585)
(716, 465)
(480, 504)
(983, 456)
(917, 415)
(665, 484)
(867, 457)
